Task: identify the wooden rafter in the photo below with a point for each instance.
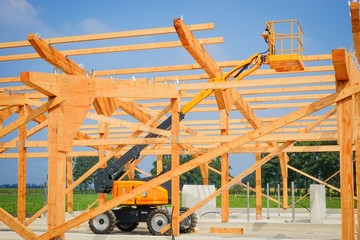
(201, 56)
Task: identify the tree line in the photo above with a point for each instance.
(321, 165)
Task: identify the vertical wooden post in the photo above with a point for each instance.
(345, 139)
(204, 169)
(224, 130)
(69, 176)
(103, 134)
(258, 186)
(159, 161)
(285, 180)
(175, 163)
(56, 172)
(357, 149)
(21, 198)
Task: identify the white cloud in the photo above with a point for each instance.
(18, 18)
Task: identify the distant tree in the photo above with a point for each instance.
(318, 164)
(82, 165)
(193, 176)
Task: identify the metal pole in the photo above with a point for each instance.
(293, 201)
(278, 199)
(267, 200)
(248, 201)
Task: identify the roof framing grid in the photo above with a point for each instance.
(268, 111)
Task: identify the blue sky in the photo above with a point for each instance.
(326, 24)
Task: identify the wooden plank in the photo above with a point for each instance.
(28, 117)
(15, 225)
(223, 230)
(76, 52)
(111, 35)
(175, 163)
(252, 135)
(21, 196)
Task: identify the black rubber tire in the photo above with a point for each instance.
(157, 219)
(103, 223)
(188, 224)
(127, 227)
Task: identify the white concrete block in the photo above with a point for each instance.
(192, 194)
(317, 203)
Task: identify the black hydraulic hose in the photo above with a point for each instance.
(241, 70)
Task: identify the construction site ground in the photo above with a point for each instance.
(276, 227)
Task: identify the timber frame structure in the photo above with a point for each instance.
(77, 108)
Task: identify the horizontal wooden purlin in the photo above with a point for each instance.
(98, 142)
(206, 125)
(257, 83)
(186, 140)
(111, 35)
(9, 79)
(167, 150)
(110, 49)
(253, 106)
(260, 72)
(194, 66)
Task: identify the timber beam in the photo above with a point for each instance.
(49, 84)
(201, 56)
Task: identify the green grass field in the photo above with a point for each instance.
(35, 200)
